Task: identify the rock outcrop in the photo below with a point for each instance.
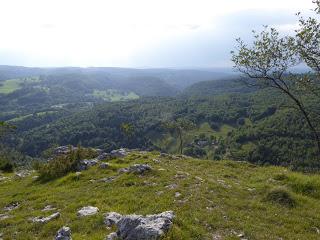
(119, 153)
(136, 168)
(134, 227)
(86, 163)
(64, 233)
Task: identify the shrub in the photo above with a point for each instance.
(61, 165)
(281, 196)
(6, 166)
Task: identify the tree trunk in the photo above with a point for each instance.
(307, 118)
(181, 141)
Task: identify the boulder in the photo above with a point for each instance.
(64, 233)
(134, 227)
(45, 219)
(136, 168)
(103, 156)
(104, 165)
(119, 153)
(88, 211)
(86, 163)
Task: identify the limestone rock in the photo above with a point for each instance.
(119, 153)
(134, 227)
(136, 168)
(86, 163)
(48, 208)
(11, 206)
(64, 233)
(88, 211)
(112, 218)
(104, 165)
(112, 236)
(45, 219)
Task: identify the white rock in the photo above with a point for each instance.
(112, 236)
(88, 211)
(150, 227)
(45, 219)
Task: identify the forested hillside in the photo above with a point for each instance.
(230, 120)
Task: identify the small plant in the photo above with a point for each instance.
(281, 196)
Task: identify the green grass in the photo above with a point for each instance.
(230, 199)
(114, 95)
(11, 85)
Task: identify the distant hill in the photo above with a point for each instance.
(215, 87)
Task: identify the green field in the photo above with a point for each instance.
(218, 199)
(11, 85)
(114, 95)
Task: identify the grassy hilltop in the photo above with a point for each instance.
(211, 199)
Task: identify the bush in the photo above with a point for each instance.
(61, 165)
(6, 166)
(281, 196)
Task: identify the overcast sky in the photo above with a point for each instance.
(134, 33)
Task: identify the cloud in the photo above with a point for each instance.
(167, 33)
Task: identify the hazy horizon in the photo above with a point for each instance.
(135, 34)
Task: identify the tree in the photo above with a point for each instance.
(179, 126)
(268, 61)
(127, 130)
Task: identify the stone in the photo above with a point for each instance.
(112, 236)
(119, 153)
(11, 206)
(136, 168)
(4, 216)
(150, 227)
(63, 150)
(46, 219)
(88, 211)
(108, 179)
(177, 194)
(86, 163)
(48, 208)
(112, 218)
(103, 165)
(172, 186)
(64, 233)
(103, 156)
(23, 173)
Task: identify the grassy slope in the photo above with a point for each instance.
(11, 85)
(228, 201)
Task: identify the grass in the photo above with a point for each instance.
(114, 95)
(217, 198)
(11, 85)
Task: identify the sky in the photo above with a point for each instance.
(135, 33)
